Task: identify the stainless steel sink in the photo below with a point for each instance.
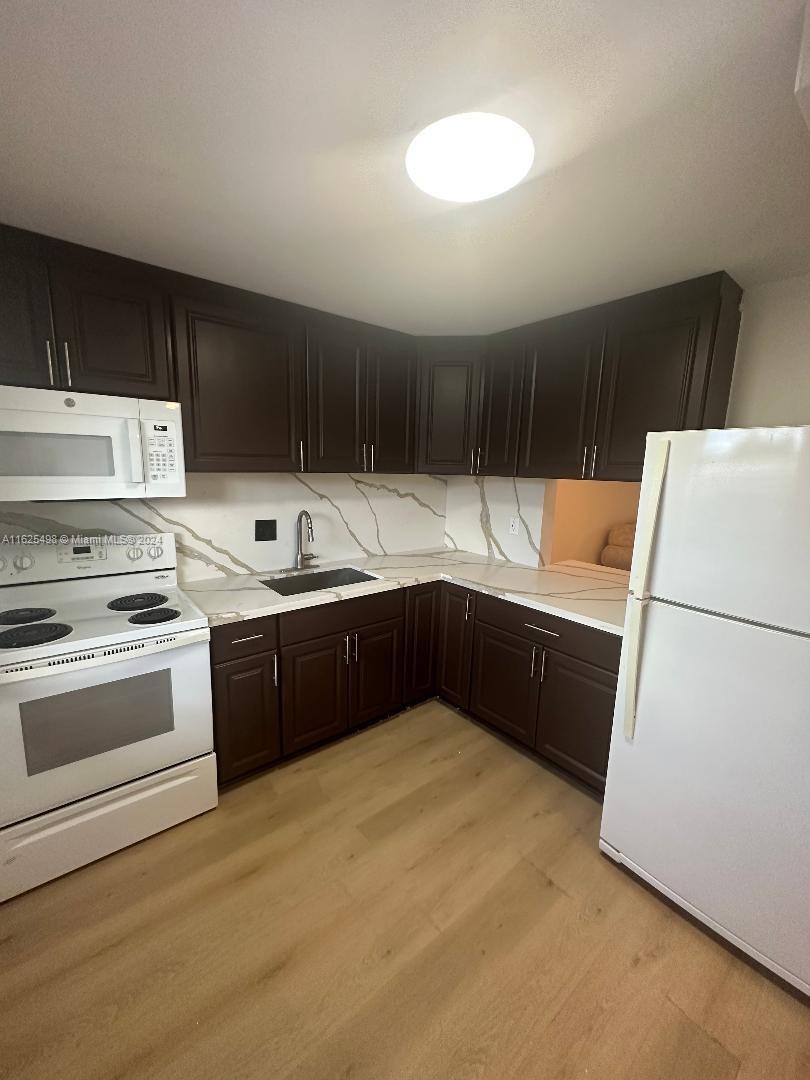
(313, 580)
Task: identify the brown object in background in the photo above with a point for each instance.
(618, 552)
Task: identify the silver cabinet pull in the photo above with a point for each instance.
(301, 453)
(540, 630)
(593, 462)
(365, 463)
(372, 457)
(67, 364)
(467, 608)
(472, 461)
(584, 460)
(275, 669)
(478, 462)
(50, 359)
(347, 650)
(534, 661)
(543, 666)
(355, 648)
(241, 640)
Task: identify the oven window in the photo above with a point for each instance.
(79, 724)
(37, 453)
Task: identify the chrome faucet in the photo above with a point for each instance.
(300, 558)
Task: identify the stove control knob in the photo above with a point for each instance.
(154, 552)
(23, 562)
(134, 553)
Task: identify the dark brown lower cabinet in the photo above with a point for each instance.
(421, 631)
(505, 685)
(315, 698)
(246, 712)
(375, 672)
(456, 622)
(576, 716)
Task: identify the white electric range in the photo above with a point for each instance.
(106, 732)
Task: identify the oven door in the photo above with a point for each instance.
(88, 449)
(69, 735)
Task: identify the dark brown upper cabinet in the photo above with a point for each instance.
(241, 377)
(27, 344)
(111, 330)
(336, 406)
(499, 418)
(669, 356)
(450, 376)
(391, 404)
(563, 359)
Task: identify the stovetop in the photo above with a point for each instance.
(49, 618)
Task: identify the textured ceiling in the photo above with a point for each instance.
(262, 143)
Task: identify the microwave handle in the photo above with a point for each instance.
(135, 451)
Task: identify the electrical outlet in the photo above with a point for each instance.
(265, 529)
(514, 526)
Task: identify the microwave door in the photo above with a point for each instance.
(46, 455)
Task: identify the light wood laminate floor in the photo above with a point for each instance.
(420, 901)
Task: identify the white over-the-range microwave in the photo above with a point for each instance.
(55, 444)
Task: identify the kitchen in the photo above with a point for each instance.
(321, 643)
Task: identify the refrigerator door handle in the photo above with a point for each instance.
(655, 471)
(633, 634)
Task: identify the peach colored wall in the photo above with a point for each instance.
(577, 515)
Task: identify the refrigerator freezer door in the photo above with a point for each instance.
(733, 529)
(710, 800)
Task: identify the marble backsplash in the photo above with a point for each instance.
(353, 515)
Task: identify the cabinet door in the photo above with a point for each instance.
(241, 385)
(655, 357)
(576, 716)
(448, 407)
(246, 715)
(505, 683)
(421, 636)
(27, 355)
(314, 686)
(336, 409)
(559, 398)
(111, 332)
(501, 384)
(391, 406)
(455, 644)
(375, 672)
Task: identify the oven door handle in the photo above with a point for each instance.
(92, 658)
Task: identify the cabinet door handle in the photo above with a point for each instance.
(365, 463)
(543, 666)
(241, 640)
(467, 608)
(593, 462)
(275, 669)
(585, 460)
(67, 365)
(301, 453)
(534, 661)
(472, 461)
(372, 457)
(478, 462)
(355, 648)
(540, 630)
(347, 650)
(50, 359)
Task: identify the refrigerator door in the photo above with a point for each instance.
(731, 533)
(710, 801)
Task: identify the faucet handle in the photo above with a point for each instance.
(308, 556)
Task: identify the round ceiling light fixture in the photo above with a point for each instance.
(469, 156)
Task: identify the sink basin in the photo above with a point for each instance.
(313, 580)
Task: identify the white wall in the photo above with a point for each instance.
(772, 371)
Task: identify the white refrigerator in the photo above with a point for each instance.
(708, 785)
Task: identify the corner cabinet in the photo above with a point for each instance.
(456, 622)
(241, 376)
(499, 415)
(449, 378)
(422, 603)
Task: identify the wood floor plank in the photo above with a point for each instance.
(418, 902)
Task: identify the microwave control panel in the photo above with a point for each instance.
(161, 450)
